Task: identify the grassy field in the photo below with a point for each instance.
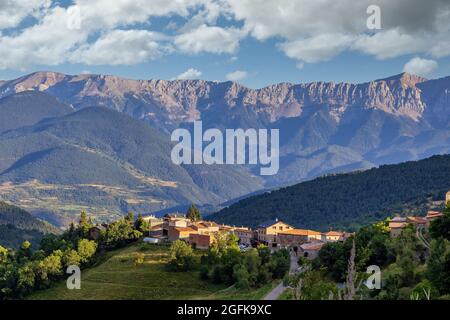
(119, 278)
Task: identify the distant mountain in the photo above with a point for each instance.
(324, 127)
(106, 163)
(349, 200)
(17, 225)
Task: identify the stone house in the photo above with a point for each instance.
(266, 232)
(180, 233)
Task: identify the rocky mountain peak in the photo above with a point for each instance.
(405, 80)
(178, 101)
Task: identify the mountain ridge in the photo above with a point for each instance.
(325, 127)
(349, 200)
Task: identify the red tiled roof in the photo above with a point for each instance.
(334, 233)
(300, 232)
(184, 229)
(313, 246)
(397, 225)
(419, 220)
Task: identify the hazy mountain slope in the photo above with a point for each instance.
(27, 108)
(348, 199)
(371, 121)
(107, 163)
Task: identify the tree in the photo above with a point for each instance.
(193, 213)
(86, 249)
(129, 217)
(25, 251)
(3, 254)
(241, 277)
(280, 263)
(181, 256)
(50, 266)
(85, 224)
(437, 268)
(311, 285)
(140, 224)
(26, 277)
(440, 228)
(70, 258)
(120, 233)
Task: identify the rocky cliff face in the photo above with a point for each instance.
(325, 126)
(174, 102)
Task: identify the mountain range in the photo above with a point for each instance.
(101, 143)
(101, 161)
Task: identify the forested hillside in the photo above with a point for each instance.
(17, 225)
(348, 200)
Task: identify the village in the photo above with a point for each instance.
(275, 234)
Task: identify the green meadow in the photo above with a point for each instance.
(118, 277)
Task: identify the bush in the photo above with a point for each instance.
(241, 277)
(204, 272)
(181, 256)
(140, 258)
(424, 290)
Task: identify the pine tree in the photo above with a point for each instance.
(193, 213)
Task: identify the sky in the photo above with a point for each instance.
(253, 42)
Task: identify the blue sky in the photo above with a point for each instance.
(253, 42)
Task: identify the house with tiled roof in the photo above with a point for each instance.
(201, 240)
(310, 250)
(204, 226)
(396, 226)
(180, 233)
(245, 235)
(294, 238)
(333, 236)
(416, 221)
(266, 232)
(174, 220)
(431, 215)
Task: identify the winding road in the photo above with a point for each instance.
(279, 289)
(421, 237)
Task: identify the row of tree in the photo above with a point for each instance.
(225, 263)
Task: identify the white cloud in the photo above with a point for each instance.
(408, 26)
(121, 47)
(12, 12)
(306, 31)
(237, 75)
(51, 42)
(46, 43)
(191, 73)
(421, 67)
(210, 39)
(106, 14)
(320, 48)
(390, 44)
